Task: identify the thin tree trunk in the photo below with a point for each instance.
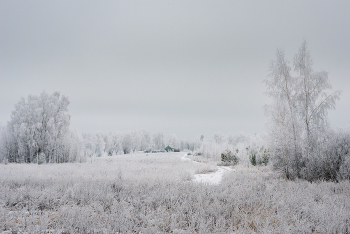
(293, 124)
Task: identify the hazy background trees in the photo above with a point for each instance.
(158, 140)
(39, 132)
(172, 141)
(298, 127)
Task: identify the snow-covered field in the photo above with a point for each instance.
(160, 193)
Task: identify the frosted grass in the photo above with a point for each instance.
(154, 194)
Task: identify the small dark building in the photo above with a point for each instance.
(170, 149)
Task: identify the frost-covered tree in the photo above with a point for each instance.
(145, 140)
(135, 140)
(281, 86)
(218, 138)
(89, 140)
(4, 145)
(172, 141)
(187, 145)
(280, 135)
(237, 138)
(127, 142)
(75, 146)
(298, 113)
(100, 145)
(230, 139)
(107, 138)
(158, 140)
(39, 126)
(334, 160)
(313, 101)
(117, 138)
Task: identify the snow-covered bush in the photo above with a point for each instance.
(246, 148)
(258, 155)
(344, 170)
(332, 159)
(229, 158)
(329, 159)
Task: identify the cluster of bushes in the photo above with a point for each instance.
(234, 149)
(258, 157)
(229, 158)
(329, 158)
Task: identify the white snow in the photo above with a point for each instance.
(212, 178)
(184, 158)
(209, 178)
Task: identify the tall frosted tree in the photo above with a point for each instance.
(281, 86)
(39, 126)
(298, 113)
(313, 102)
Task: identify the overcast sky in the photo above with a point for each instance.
(183, 67)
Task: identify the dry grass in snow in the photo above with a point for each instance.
(153, 194)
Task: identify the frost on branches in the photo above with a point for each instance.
(298, 126)
(39, 131)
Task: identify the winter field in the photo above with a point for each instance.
(160, 193)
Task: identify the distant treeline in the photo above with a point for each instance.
(38, 132)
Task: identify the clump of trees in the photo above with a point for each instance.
(39, 131)
(258, 155)
(234, 148)
(229, 158)
(97, 144)
(302, 143)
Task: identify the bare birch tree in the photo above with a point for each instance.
(299, 111)
(281, 87)
(313, 101)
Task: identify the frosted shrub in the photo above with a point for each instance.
(252, 157)
(238, 148)
(328, 158)
(264, 157)
(258, 156)
(229, 158)
(344, 170)
(333, 162)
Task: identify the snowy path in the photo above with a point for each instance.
(212, 178)
(209, 178)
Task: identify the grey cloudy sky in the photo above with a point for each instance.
(183, 67)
